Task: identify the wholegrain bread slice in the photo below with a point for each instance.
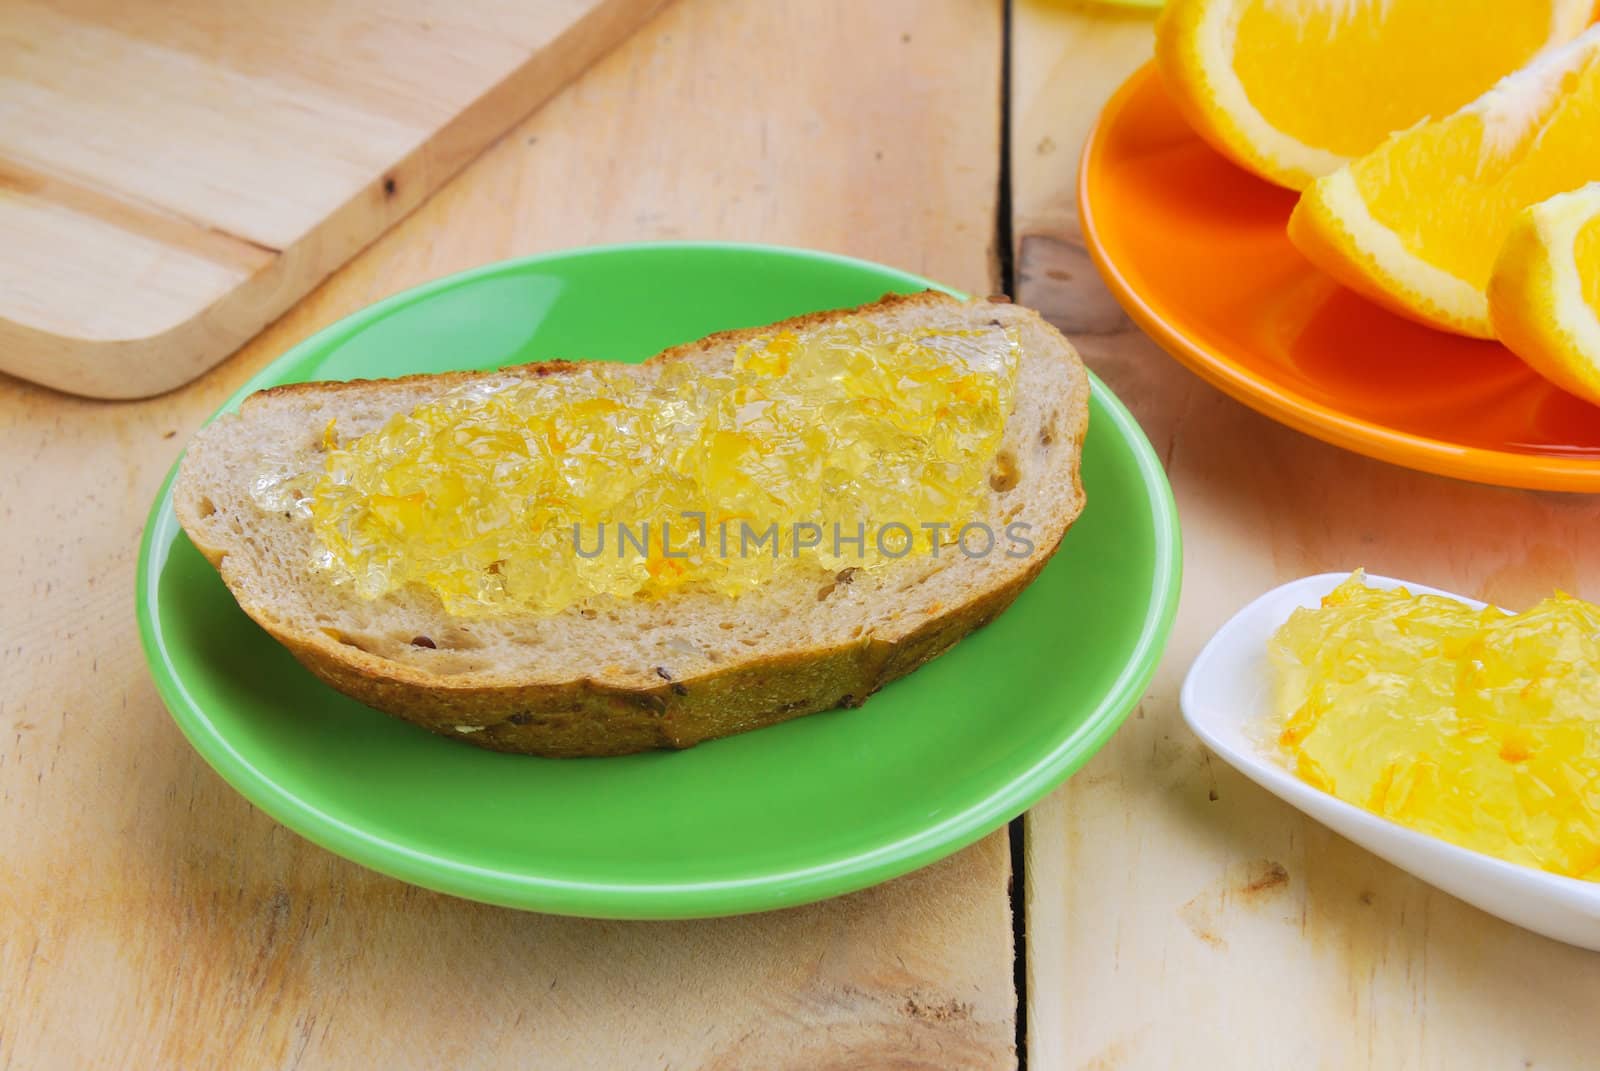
(611, 676)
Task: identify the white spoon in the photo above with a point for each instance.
(1227, 700)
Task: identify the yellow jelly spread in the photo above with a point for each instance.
(518, 494)
(1476, 726)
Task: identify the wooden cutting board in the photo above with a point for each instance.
(174, 174)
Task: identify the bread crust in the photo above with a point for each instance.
(586, 717)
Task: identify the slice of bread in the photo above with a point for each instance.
(618, 676)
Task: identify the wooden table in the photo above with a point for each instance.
(1179, 916)
(1175, 915)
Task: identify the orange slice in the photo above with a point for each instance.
(1416, 224)
(1544, 294)
(1292, 89)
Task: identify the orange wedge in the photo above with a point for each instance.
(1544, 294)
(1292, 89)
(1416, 224)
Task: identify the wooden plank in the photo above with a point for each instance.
(155, 919)
(1177, 914)
(173, 176)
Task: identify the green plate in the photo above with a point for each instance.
(801, 811)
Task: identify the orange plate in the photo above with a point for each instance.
(1195, 250)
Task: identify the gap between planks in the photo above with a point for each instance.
(1005, 274)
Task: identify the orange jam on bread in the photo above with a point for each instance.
(496, 496)
(1476, 726)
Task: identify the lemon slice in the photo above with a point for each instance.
(1292, 89)
(1544, 294)
(1417, 223)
